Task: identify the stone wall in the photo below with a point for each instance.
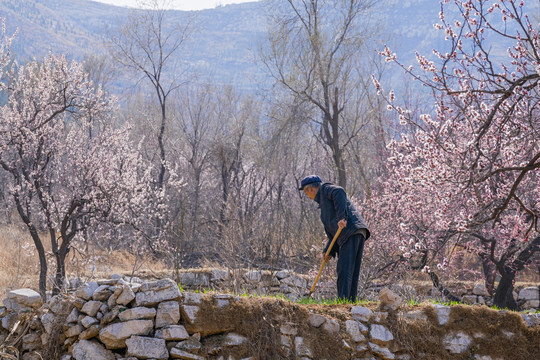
(118, 318)
(262, 282)
(293, 286)
(528, 297)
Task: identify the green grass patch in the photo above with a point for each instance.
(494, 307)
(447, 303)
(334, 301)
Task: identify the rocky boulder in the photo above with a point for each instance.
(389, 299)
(147, 348)
(114, 336)
(154, 292)
(22, 299)
(91, 350)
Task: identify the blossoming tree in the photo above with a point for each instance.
(67, 166)
(466, 178)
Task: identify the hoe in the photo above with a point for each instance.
(324, 262)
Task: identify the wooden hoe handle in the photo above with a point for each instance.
(324, 261)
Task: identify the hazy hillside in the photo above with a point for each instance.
(222, 44)
(57, 26)
(225, 39)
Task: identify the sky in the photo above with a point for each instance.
(179, 4)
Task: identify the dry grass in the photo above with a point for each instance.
(489, 328)
(19, 266)
(19, 262)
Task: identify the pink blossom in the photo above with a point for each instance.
(467, 174)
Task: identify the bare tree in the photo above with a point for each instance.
(312, 52)
(99, 69)
(290, 226)
(196, 130)
(147, 45)
(233, 117)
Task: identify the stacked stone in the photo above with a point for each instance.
(262, 282)
(459, 343)
(478, 295)
(139, 321)
(365, 337)
(113, 319)
(22, 304)
(293, 286)
(365, 334)
(529, 297)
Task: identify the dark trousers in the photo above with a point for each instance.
(348, 267)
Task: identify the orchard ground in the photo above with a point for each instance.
(19, 267)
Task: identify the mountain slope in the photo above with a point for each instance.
(225, 39)
(222, 44)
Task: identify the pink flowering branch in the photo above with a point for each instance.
(69, 169)
(467, 176)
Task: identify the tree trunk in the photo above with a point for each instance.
(340, 165)
(503, 295)
(195, 208)
(40, 249)
(161, 176)
(60, 253)
(504, 298)
(161, 144)
(60, 273)
(42, 262)
(330, 136)
(224, 198)
(222, 211)
(488, 269)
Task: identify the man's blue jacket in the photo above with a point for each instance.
(335, 205)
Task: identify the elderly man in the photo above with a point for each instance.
(337, 210)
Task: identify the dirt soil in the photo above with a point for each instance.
(260, 319)
(498, 334)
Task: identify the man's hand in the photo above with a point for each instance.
(341, 224)
(325, 257)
